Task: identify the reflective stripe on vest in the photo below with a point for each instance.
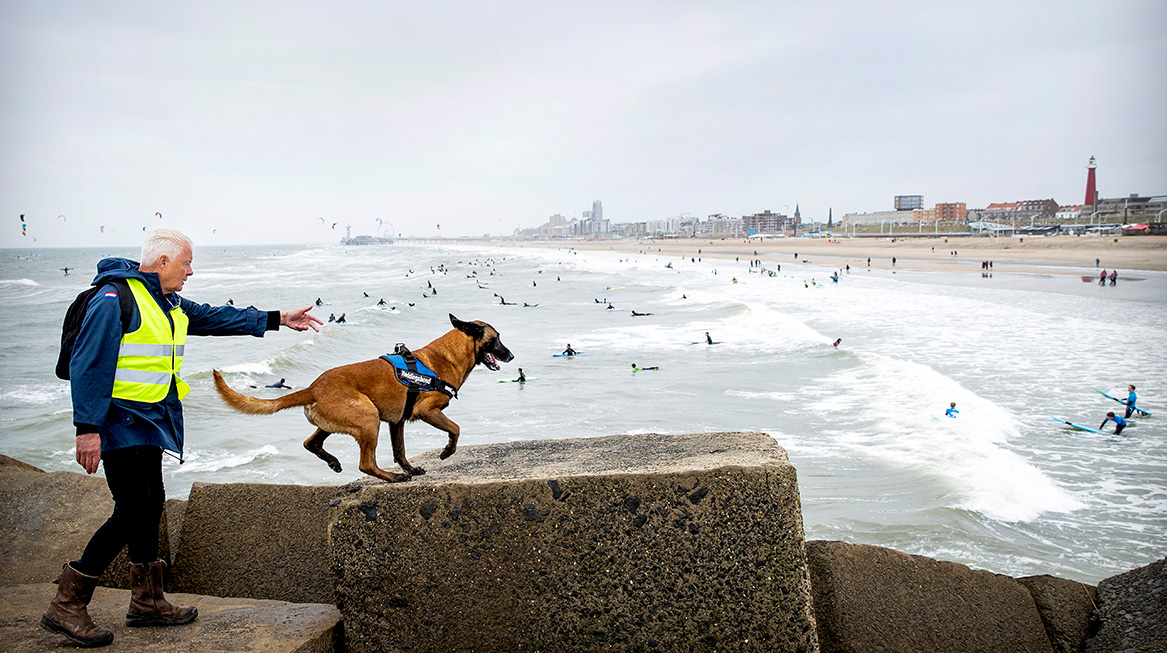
(151, 356)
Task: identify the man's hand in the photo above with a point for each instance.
(89, 451)
(300, 319)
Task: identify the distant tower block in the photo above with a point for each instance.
(1091, 192)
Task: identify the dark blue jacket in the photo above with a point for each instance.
(124, 423)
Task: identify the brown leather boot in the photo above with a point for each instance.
(67, 614)
(147, 605)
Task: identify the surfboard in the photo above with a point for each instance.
(1138, 410)
(702, 342)
(529, 378)
(577, 353)
(1079, 426)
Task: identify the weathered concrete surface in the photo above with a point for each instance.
(638, 542)
(1132, 611)
(868, 598)
(223, 624)
(1066, 609)
(47, 518)
(257, 541)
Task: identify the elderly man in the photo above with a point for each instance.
(127, 407)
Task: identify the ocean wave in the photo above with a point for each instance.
(892, 410)
(211, 460)
(18, 282)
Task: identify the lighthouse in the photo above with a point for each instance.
(1091, 192)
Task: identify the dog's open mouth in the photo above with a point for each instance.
(489, 361)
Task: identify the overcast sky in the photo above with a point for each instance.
(247, 122)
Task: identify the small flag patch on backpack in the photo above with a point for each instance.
(111, 293)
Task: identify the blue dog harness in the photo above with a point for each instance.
(416, 377)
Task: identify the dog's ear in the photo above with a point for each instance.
(471, 329)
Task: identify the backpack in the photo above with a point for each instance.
(75, 316)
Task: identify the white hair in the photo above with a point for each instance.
(163, 241)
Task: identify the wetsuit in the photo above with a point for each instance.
(1119, 423)
(951, 412)
(1130, 403)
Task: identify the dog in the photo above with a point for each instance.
(356, 398)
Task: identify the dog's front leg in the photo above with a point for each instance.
(397, 437)
(439, 421)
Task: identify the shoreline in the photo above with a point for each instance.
(1068, 255)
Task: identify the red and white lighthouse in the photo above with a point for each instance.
(1091, 192)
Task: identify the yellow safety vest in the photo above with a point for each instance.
(151, 356)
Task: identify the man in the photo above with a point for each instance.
(952, 411)
(1119, 423)
(1131, 398)
(127, 407)
(522, 377)
(569, 351)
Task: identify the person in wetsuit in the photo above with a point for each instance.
(1131, 398)
(279, 384)
(952, 411)
(1119, 423)
(569, 351)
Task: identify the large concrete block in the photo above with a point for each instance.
(1066, 609)
(256, 541)
(868, 598)
(223, 624)
(1132, 611)
(47, 518)
(639, 542)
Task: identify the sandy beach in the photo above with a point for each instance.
(1049, 255)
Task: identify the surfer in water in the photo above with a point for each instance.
(1131, 398)
(637, 369)
(952, 411)
(708, 338)
(1119, 423)
(279, 384)
(522, 377)
(837, 343)
(569, 351)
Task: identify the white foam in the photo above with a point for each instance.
(211, 460)
(18, 282)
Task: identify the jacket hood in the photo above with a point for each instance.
(122, 268)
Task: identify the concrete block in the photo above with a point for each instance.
(47, 518)
(256, 541)
(637, 542)
(1066, 609)
(868, 598)
(1132, 611)
(222, 625)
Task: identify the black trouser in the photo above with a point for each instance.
(134, 476)
(1129, 410)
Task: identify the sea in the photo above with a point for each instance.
(1001, 487)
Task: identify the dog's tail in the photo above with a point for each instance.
(256, 406)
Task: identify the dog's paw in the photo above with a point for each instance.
(335, 466)
(446, 453)
(417, 471)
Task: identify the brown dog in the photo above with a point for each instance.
(356, 398)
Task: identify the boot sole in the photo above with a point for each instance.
(53, 627)
(140, 621)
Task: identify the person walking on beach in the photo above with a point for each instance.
(1113, 276)
(1119, 422)
(1102, 278)
(127, 407)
